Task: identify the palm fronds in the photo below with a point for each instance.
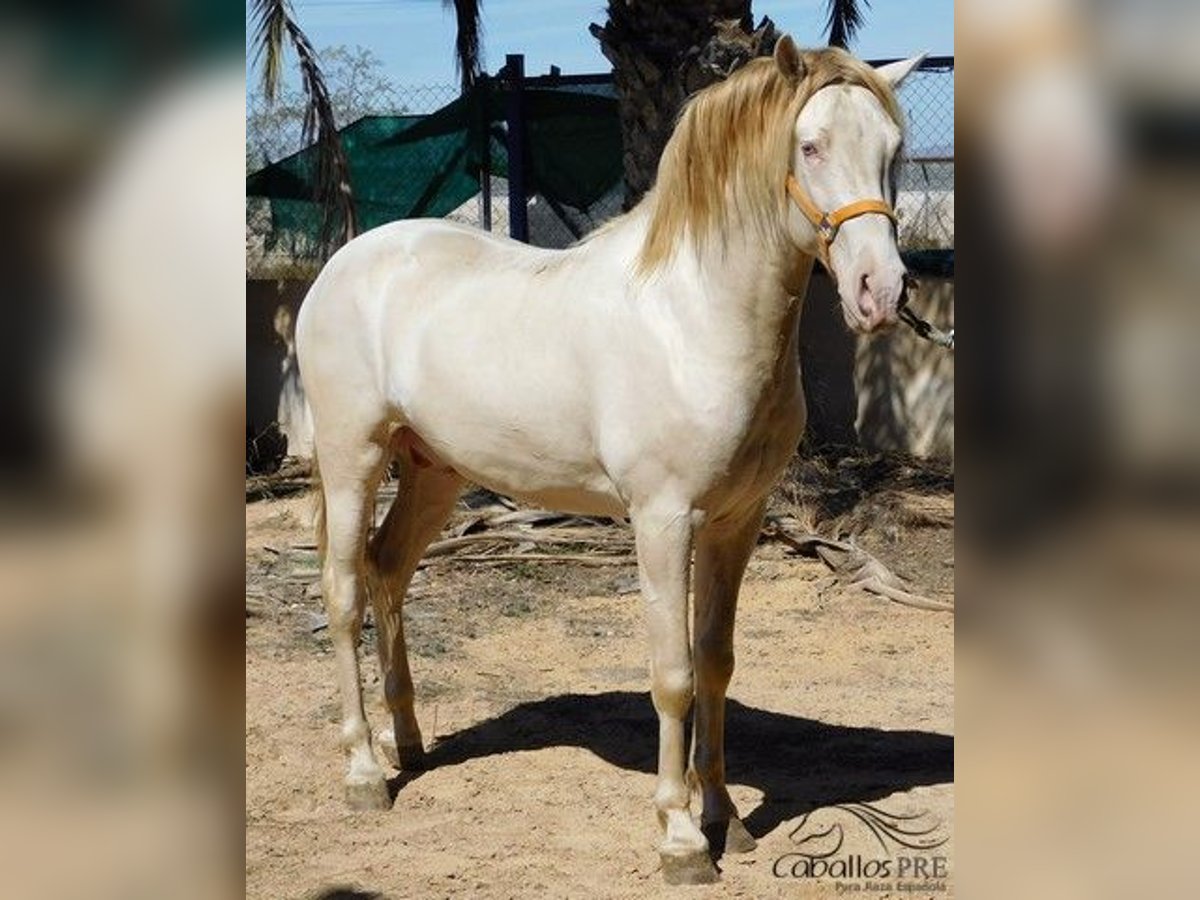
(468, 53)
(276, 22)
(843, 21)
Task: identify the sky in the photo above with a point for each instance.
(415, 38)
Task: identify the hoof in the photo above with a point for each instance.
(737, 838)
(689, 868)
(371, 793)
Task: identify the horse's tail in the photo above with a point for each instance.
(319, 512)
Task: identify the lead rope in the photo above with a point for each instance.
(919, 325)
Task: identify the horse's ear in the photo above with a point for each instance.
(895, 72)
(787, 57)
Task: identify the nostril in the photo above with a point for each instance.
(866, 304)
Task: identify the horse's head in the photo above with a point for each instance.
(845, 147)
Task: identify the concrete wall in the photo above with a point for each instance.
(273, 394)
(890, 392)
(905, 384)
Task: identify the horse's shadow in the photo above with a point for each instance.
(798, 764)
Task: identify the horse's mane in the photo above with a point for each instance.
(733, 144)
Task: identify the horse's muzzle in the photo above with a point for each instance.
(876, 298)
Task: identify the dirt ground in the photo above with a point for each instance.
(532, 692)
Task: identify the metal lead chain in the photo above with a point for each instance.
(919, 325)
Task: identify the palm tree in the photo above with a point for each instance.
(276, 23)
(468, 52)
(842, 22)
(276, 28)
(662, 52)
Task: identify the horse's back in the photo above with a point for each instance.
(412, 260)
(392, 271)
(436, 243)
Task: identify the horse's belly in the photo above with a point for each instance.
(552, 469)
(573, 489)
(577, 501)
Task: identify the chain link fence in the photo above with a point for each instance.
(274, 130)
(925, 197)
(925, 201)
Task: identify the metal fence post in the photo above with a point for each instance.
(483, 91)
(518, 218)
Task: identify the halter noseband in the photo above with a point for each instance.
(828, 223)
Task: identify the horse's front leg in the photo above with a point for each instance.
(722, 551)
(664, 542)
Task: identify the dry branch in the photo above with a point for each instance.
(579, 559)
(851, 564)
(525, 536)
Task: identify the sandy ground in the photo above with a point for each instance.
(532, 690)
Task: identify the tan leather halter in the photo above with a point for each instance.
(828, 223)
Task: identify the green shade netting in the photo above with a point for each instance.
(404, 167)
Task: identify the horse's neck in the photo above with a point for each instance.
(739, 300)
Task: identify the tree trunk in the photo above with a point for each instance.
(662, 52)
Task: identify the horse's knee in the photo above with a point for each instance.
(672, 689)
(343, 602)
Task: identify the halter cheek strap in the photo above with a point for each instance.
(828, 223)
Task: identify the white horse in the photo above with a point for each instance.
(651, 371)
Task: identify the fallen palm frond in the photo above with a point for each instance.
(850, 563)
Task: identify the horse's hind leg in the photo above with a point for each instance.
(425, 497)
(350, 472)
(722, 551)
